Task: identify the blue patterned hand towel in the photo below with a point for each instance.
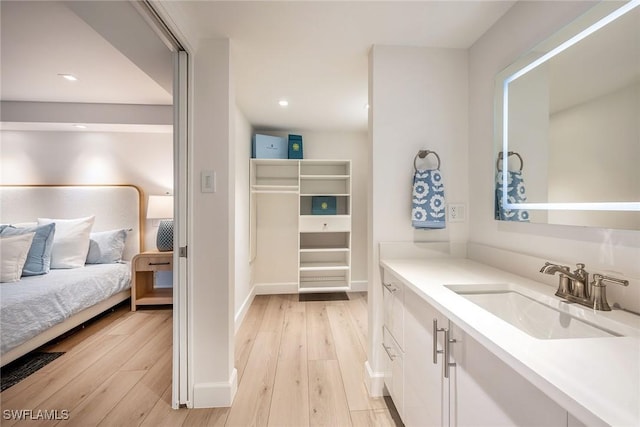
(515, 194)
(427, 210)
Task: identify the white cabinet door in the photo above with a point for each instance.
(485, 391)
(426, 394)
(393, 300)
(393, 372)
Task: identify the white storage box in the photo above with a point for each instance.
(269, 147)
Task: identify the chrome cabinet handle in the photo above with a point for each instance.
(390, 287)
(435, 341)
(387, 349)
(446, 365)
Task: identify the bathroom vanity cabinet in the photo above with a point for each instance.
(393, 341)
(478, 389)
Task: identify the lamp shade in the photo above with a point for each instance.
(160, 207)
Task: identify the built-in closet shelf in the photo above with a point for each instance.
(325, 177)
(276, 162)
(324, 194)
(322, 266)
(286, 184)
(329, 288)
(319, 250)
(274, 176)
(323, 241)
(263, 189)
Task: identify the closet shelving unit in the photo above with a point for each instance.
(274, 176)
(324, 241)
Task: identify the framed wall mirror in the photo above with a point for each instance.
(567, 131)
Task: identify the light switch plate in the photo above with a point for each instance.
(208, 182)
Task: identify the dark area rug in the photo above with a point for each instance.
(21, 368)
(323, 296)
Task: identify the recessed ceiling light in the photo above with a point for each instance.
(80, 126)
(69, 77)
(283, 103)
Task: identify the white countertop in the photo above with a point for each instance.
(595, 379)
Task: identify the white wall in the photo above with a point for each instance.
(603, 250)
(243, 280)
(419, 102)
(212, 227)
(47, 157)
(418, 98)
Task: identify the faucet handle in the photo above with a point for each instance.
(599, 290)
(599, 278)
(580, 266)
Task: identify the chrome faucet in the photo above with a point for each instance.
(574, 286)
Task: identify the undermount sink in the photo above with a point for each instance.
(529, 315)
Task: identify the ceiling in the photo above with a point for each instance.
(312, 53)
(43, 39)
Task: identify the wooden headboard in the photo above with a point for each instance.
(114, 206)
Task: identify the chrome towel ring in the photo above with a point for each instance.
(510, 153)
(422, 154)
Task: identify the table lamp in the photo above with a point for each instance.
(161, 207)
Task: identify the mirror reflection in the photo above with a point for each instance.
(574, 120)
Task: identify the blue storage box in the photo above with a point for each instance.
(323, 205)
(268, 147)
(295, 146)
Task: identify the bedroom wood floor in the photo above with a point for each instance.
(299, 364)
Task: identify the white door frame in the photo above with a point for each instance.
(154, 11)
(180, 383)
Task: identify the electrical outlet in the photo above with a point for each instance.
(457, 212)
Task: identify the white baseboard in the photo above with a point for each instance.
(276, 288)
(216, 395)
(359, 286)
(244, 308)
(374, 381)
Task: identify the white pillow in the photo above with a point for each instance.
(106, 247)
(71, 241)
(13, 254)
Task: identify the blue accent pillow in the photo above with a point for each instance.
(39, 256)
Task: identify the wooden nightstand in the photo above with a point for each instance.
(143, 267)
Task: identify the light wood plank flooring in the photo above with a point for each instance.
(299, 364)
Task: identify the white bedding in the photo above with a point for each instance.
(36, 303)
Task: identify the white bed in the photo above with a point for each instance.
(39, 308)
